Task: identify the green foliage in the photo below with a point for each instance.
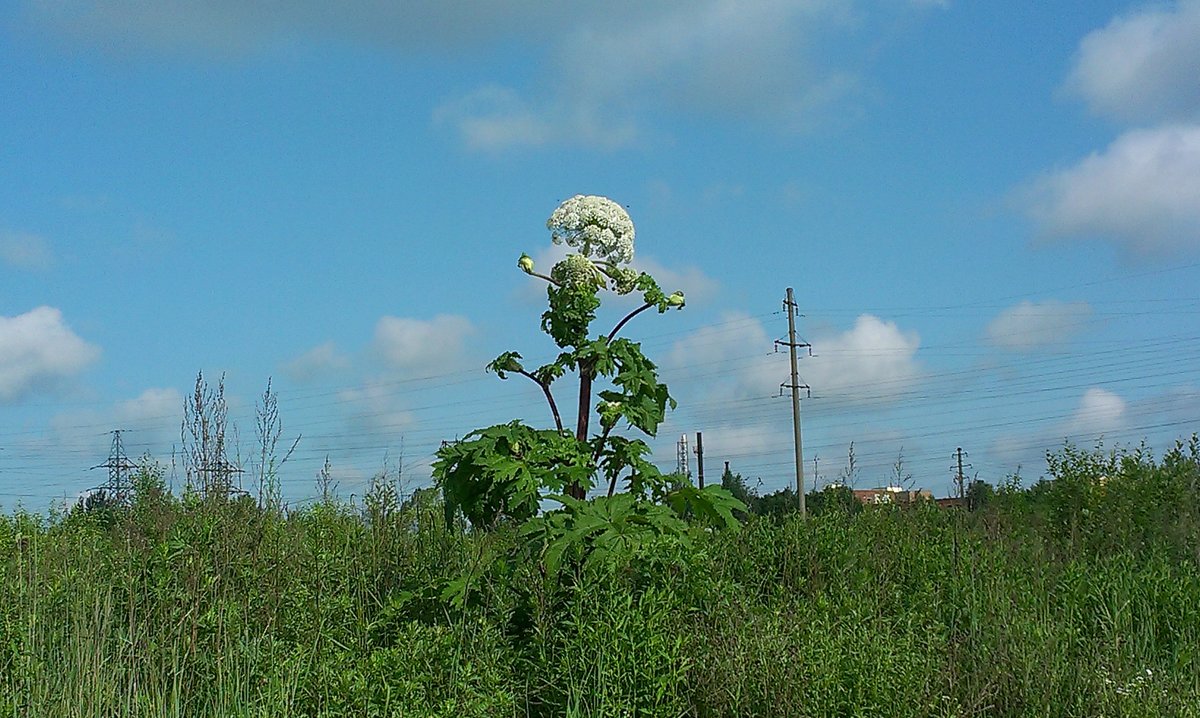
(642, 399)
(979, 495)
(833, 498)
(781, 504)
(609, 530)
(604, 530)
(618, 453)
(505, 473)
(571, 312)
(500, 472)
(711, 506)
(736, 486)
(1023, 607)
(1106, 501)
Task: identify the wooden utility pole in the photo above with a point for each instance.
(700, 458)
(791, 311)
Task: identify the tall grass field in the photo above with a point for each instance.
(1076, 596)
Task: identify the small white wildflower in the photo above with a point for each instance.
(576, 271)
(597, 226)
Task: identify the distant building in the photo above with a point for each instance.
(892, 495)
(953, 502)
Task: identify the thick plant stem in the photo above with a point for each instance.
(581, 426)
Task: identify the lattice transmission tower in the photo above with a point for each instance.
(119, 487)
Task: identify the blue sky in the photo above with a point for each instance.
(990, 215)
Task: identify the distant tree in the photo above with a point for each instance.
(776, 505)
(99, 506)
(979, 494)
(736, 485)
(835, 497)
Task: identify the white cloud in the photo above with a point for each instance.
(418, 345)
(150, 422)
(875, 361)
(1144, 65)
(740, 444)
(25, 251)
(1142, 192)
(155, 406)
(609, 67)
(38, 350)
(376, 408)
(1100, 412)
(733, 356)
(321, 359)
(696, 286)
(495, 118)
(746, 61)
(1029, 326)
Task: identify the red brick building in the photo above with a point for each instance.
(892, 495)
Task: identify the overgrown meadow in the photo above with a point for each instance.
(558, 572)
(1077, 596)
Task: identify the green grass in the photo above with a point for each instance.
(1068, 599)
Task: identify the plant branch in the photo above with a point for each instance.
(603, 438)
(549, 398)
(625, 321)
(612, 483)
(553, 281)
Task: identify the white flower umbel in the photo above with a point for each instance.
(597, 226)
(576, 270)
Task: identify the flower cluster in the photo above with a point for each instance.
(576, 271)
(1134, 686)
(624, 280)
(597, 226)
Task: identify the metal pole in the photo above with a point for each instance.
(700, 458)
(791, 310)
(959, 478)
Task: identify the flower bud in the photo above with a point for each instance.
(610, 412)
(576, 270)
(675, 300)
(625, 280)
(525, 263)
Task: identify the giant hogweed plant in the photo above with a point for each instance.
(508, 472)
